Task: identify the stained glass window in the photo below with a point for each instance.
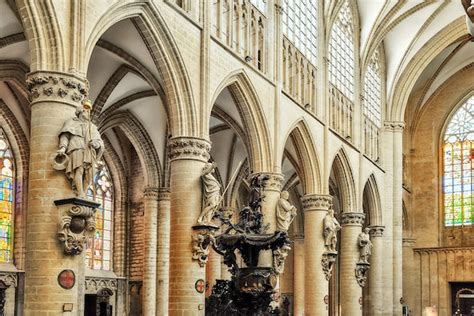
(7, 193)
(341, 53)
(458, 156)
(300, 25)
(373, 90)
(99, 247)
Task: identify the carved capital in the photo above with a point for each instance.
(8, 279)
(95, 284)
(394, 126)
(189, 148)
(57, 86)
(316, 202)
(352, 219)
(376, 231)
(163, 194)
(151, 193)
(77, 223)
(274, 183)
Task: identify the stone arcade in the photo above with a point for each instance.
(327, 143)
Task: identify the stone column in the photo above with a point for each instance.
(316, 284)
(163, 252)
(187, 159)
(150, 197)
(298, 275)
(376, 272)
(411, 284)
(213, 270)
(54, 98)
(351, 291)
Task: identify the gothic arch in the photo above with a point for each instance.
(371, 198)
(344, 181)
(180, 102)
(308, 161)
(142, 143)
(253, 118)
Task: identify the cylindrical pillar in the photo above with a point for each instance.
(163, 252)
(298, 275)
(316, 285)
(376, 272)
(351, 291)
(188, 156)
(150, 198)
(54, 98)
(213, 270)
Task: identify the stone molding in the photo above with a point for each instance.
(8, 279)
(189, 148)
(316, 202)
(57, 86)
(409, 242)
(275, 183)
(164, 194)
(298, 237)
(151, 193)
(96, 283)
(352, 219)
(376, 231)
(394, 126)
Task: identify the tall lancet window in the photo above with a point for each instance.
(458, 157)
(7, 196)
(99, 248)
(373, 90)
(341, 52)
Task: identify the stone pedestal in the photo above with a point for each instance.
(54, 97)
(315, 283)
(163, 252)
(351, 291)
(187, 158)
(298, 275)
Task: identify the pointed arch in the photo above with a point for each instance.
(308, 161)
(164, 51)
(345, 181)
(250, 110)
(371, 202)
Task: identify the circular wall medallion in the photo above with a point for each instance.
(67, 279)
(200, 286)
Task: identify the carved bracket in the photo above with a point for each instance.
(279, 256)
(327, 261)
(8, 279)
(202, 240)
(361, 272)
(76, 224)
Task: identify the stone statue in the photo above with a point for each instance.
(469, 8)
(365, 245)
(331, 227)
(285, 212)
(211, 194)
(80, 146)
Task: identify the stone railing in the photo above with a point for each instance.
(191, 7)
(371, 139)
(341, 111)
(242, 27)
(298, 76)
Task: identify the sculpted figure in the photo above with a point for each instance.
(469, 8)
(211, 194)
(285, 212)
(331, 226)
(80, 146)
(365, 245)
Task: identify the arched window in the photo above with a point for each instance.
(7, 193)
(341, 53)
(99, 248)
(458, 157)
(300, 26)
(373, 90)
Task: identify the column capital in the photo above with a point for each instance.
(316, 202)
(409, 242)
(189, 148)
(394, 126)
(151, 193)
(376, 231)
(274, 183)
(52, 86)
(163, 194)
(352, 219)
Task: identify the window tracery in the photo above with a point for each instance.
(458, 158)
(7, 193)
(373, 90)
(99, 247)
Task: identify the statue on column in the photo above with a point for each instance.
(365, 245)
(80, 147)
(331, 227)
(285, 212)
(469, 8)
(211, 194)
